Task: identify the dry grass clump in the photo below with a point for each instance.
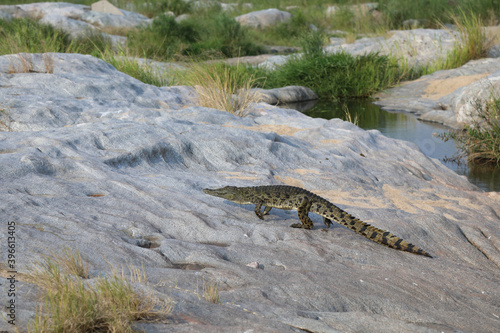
(480, 142)
(72, 304)
(473, 43)
(210, 291)
(72, 262)
(23, 63)
(4, 119)
(222, 87)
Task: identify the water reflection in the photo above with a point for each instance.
(405, 126)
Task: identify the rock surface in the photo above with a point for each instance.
(418, 47)
(286, 95)
(115, 168)
(263, 18)
(76, 20)
(448, 96)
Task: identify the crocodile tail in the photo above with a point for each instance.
(377, 235)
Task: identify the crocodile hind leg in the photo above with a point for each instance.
(328, 222)
(258, 211)
(303, 211)
(258, 206)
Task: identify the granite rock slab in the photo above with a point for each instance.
(263, 18)
(110, 166)
(448, 97)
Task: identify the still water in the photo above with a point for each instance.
(405, 126)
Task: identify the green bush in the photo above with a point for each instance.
(220, 33)
(178, 7)
(480, 142)
(26, 35)
(434, 11)
(163, 39)
(217, 34)
(336, 76)
(284, 33)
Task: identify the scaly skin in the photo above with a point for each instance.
(291, 197)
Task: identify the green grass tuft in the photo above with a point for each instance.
(71, 304)
(222, 86)
(479, 143)
(336, 76)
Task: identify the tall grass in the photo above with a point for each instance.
(29, 36)
(4, 118)
(355, 19)
(210, 291)
(472, 43)
(222, 87)
(142, 71)
(479, 143)
(209, 34)
(284, 33)
(435, 11)
(70, 304)
(335, 76)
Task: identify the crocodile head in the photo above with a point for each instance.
(231, 193)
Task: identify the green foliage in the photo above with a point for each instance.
(178, 7)
(24, 35)
(480, 142)
(163, 39)
(312, 44)
(434, 11)
(29, 36)
(217, 34)
(222, 34)
(71, 305)
(473, 43)
(336, 76)
(142, 72)
(221, 86)
(356, 19)
(284, 33)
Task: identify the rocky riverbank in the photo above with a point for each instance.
(103, 163)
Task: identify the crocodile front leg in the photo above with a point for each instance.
(328, 222)
(258, 206)
(303, 211)
(267, 210)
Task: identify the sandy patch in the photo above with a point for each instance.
(441, 88)
(278, 129)
(306, 171)
(238, 175)
(347, 199)
(331, 141)
(290, 181)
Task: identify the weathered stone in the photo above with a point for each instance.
(104, 6)
(286, 95)
(359, 10)
(416, 47)
(75, 28)
(413, 24)
(275, 61)
(228, 7)
(181, 17)
(77, 20)
(103, 163)
(263, 18)
(5, 15)
(126, 21)
(40, 9)
(448, 96)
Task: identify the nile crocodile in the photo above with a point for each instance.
(291, 197)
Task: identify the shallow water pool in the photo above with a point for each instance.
(405, 126)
